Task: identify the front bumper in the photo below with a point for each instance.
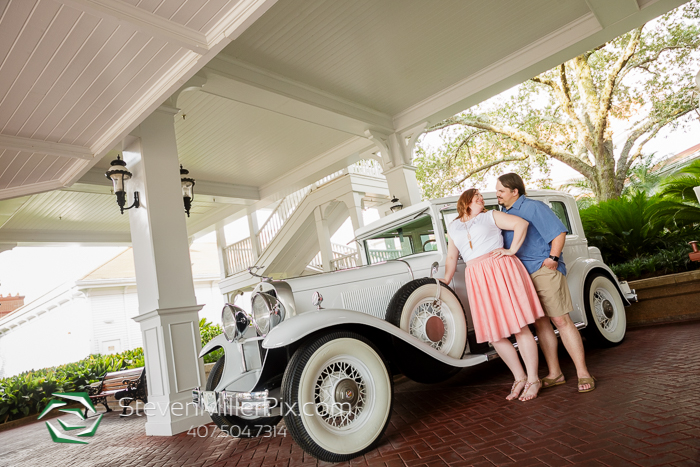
(241, 404)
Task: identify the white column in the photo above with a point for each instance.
(324, 238)
(403, 184)
(168, 311)
(221, 249)
(354, 203)
(254, 229)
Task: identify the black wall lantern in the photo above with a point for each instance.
(396, 207)
(119, 175)
(187, 189)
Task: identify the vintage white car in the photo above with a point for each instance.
(320, 350)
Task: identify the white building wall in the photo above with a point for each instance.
(96, 320)
(59, 335)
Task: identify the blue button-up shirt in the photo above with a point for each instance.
(544, 227)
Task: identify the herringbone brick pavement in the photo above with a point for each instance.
(644, 413)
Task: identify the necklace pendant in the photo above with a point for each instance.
(470, 245)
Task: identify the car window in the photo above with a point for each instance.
(559, 209)
(415, 236)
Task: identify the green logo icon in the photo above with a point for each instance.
(59, 436)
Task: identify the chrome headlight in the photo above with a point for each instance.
(235, 321)
(268, 312)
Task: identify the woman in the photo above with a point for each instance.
(502, 299)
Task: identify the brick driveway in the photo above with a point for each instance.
(644, 413)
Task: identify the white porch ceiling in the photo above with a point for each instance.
(287, 88)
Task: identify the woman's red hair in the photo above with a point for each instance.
(464, 201)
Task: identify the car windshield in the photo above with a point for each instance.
(415, 236)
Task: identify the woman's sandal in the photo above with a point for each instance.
(514, 395)
(551, 382)
(582, 381)
(523, 395)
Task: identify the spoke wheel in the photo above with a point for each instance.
(338, 394)
(439, 323)
(607, 321)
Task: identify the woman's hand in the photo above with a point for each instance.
(444, 281)
(501, 252)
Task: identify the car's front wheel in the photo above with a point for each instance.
(337, 393)
(607, 321)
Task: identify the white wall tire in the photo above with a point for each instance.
(605, 311)
(412, 310)
(338, 396)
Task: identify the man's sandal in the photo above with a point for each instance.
(551, 382)
(514, 395)
(582, 381)
(523, 394)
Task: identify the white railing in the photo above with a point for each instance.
(377, 256)
(345, 261)
(279, 216)
(317, 262)
(366, 167)
(238, 256)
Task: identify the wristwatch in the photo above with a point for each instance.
(554, 258)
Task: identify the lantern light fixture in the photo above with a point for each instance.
(187, 189)
(119, 175)
(396, 207)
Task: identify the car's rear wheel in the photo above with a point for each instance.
(231, 424)
(607, 321)
(338, 396)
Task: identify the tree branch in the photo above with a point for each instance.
(563, 96)
(655, 57)
(491, 164)
(528, 140)
(586, 87)
(608, 88)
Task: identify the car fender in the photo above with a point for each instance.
(219, 341)
(235, 376)
(576, 279)
(293, 330)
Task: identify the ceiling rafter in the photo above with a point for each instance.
(241, 82)
(149, 23)
(18, 143)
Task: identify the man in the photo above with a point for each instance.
(541, 253)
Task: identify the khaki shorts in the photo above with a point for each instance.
(553, 291)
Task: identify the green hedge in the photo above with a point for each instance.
(668, 261)
(29, 392)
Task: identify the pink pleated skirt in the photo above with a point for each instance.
(501, 297)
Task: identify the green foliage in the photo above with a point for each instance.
(668, 261)
(208, 332)
(679, 186)
(637, 226)
(29, 392)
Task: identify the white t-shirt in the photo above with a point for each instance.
(486, 236)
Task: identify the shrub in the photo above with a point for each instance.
(638, 225)
(666, 261)
(29, 392)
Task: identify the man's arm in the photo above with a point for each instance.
(557, 248)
